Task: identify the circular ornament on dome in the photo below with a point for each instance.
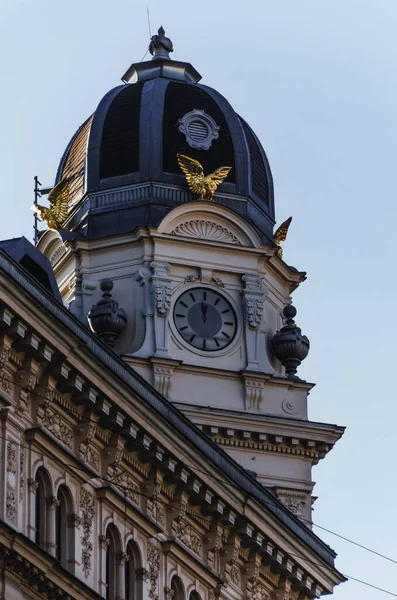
(199, 129)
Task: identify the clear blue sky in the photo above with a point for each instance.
(317, 81)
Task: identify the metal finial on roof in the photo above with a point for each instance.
(160, 46)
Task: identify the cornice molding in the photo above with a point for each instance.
(89, 356)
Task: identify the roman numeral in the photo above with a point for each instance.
(225, 311)
(204, 343)
(183, 328)
(217, 301)
(192, 297)
(226, 335)
(183, 316)
(216, 342)
(192, 338)
(225, 323)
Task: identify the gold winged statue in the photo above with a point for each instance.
(205, 186)
(281, 235)
(59, 202)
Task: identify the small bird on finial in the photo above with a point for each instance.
(281, 235)
(56, 214)
(200, 184)
(160, 46)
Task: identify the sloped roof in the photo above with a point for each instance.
(239, 477)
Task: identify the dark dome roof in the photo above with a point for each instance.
(134, 136)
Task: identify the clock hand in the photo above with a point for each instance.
(204, 308)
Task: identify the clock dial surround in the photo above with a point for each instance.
(205, 319)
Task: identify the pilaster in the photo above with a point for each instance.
(253, 295)
(162, 290)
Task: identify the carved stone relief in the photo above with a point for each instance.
(55, 425)
(206, 230)
(153, 562)
(254, 393)
(87, 508)
(127, 485)
(11, 457)
(254, 295)
(11, 503)
(4, 354)
(21, 473)
(5, 383)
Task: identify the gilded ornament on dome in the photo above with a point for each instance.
(56, 214)
(281, 235)
(204, 186)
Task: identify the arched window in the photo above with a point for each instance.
(64, 529)
(42, 493)
(177, 588)
(132, 567)
(194, 596)
(112, 563)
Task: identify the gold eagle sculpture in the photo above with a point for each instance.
(281, 235)
(56, 214)
(200, 184)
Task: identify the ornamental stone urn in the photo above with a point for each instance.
(289, 345)
(105, 318)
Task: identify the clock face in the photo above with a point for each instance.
(205, 319)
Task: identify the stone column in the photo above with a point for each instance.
(51, 544)
(122, 559)
(103, 545)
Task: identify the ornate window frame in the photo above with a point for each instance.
(190, 124)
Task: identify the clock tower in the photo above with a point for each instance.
(178, 269)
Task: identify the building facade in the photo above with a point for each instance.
(166, 453)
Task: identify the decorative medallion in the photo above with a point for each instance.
(199, 129)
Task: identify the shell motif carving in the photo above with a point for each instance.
(206, 230)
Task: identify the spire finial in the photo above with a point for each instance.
(160, 46)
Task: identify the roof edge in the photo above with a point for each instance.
(165, 408)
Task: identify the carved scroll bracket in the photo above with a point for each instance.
(229, 558)
(113, 455)
(213, 546)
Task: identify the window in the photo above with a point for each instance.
(194, 596)
(177, 588)
(112, 563)
(133, 582)
(64, 529)
(42, 493)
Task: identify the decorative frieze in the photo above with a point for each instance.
(126, 484)
(295, 501)
(11, 457)
(87, 508)
(4, 354)
(5, 383)
(11, 503)
(153, 565)
(51, 421)
(21, 473)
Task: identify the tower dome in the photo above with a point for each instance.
(123, 159)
